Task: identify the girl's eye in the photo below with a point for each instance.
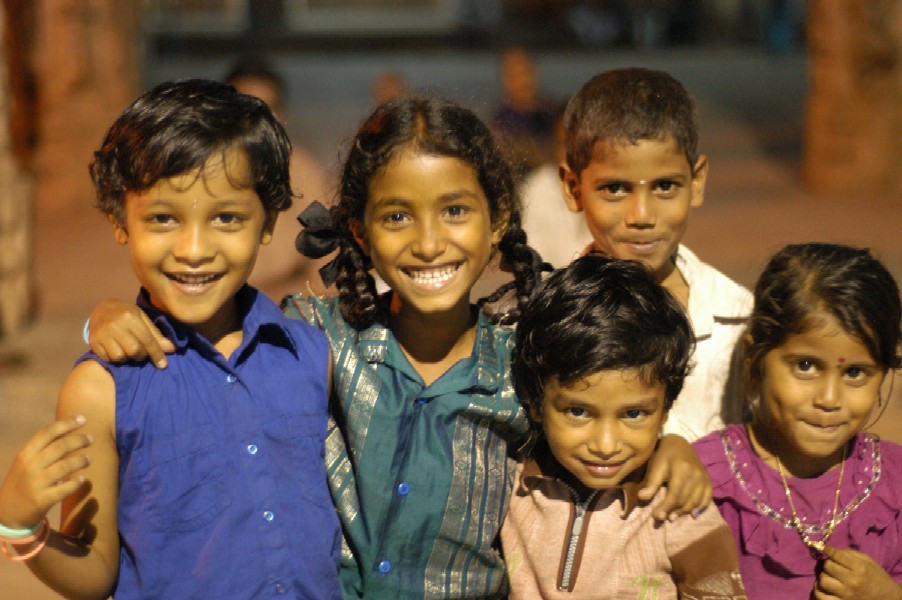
(805, 368)
(857, 374)
(576, 412)
(394, 219)
(161, 219)
(227, 219)
(456, 211)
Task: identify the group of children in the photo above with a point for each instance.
(414, 445)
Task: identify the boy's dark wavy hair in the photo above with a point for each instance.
(600, 314)
(803, 281)
(434, 127)
(178, 127)
(624, 106)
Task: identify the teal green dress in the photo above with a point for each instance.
(421, 475)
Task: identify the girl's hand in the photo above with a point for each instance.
(41, 474)
(688, 483)
(852, 575)
(120, 332)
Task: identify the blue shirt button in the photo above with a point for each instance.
(404, 488)
(231, 378)
(422, 400)
(384, 567)
(251, 448)
(280, 588)
(269, 515)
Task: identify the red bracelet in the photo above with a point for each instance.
(41, 536)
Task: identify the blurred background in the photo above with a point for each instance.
(800, 106)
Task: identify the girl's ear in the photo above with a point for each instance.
(269, 224)
(358, 231)
(119, 232)
(570, 187)
(502, 222)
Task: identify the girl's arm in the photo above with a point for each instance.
(81, 560)
(676, 464)
(120, 331)
(852, 575)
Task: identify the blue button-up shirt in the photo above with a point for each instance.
(222, 487)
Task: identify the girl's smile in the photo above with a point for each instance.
(428, 231)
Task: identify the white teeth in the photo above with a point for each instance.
(433, 277)
(193, 279)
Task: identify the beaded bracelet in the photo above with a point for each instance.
(41, 536)
(9, 534)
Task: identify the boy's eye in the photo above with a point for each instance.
(614, 189)
(576, 412)
(633, 414)
(160, 219)
(227, 219)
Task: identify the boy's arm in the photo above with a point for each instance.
(676, 464)
(120, 331)
(706, 564)
(81, 560)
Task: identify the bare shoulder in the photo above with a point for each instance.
(91, 391)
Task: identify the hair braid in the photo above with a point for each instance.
(356, 288)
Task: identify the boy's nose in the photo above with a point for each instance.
(193, 245)
(640, 209)
(604, 441)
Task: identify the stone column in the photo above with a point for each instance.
(87, 71)
(16, 198)
(853, 128)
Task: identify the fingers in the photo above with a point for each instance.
(124, 332)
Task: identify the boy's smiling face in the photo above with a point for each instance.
(193, 240)
(637, 199)
(603, 428)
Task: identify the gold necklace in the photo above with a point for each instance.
(797, 523)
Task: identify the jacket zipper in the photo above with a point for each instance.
(568, 577)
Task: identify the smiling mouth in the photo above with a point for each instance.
(432, 278)
(194, 281)
(603, 469)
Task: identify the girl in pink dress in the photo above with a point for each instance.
(814, 501)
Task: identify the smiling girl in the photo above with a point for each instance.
(813, 501)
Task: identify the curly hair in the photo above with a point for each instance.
(804, 280)
(176, 128)
(439, 128)
(623, 106)
(600, 314)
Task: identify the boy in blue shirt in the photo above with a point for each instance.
(205, 479)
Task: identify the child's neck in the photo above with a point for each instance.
(673, 282)
(775, 453)
(436, 341)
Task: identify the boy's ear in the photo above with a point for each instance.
(359, 232)
(699, 177)
(119, 232)
(269, 225)
(570, 187)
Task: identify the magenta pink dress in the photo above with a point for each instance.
(752, 500)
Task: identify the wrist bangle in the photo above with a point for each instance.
(86, 331)
(9, 534)
(41, 537)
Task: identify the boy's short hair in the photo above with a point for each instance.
(624, 106)
(176, 128)
(600, 314)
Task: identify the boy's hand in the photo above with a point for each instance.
(676, 464)
(120, 332)
(851, 575)
(41, 474)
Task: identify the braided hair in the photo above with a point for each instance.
(434, 127)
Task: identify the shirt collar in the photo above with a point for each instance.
(541, 467)
(487, 376)
(261, 318)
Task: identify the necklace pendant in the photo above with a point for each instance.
(816, 545)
